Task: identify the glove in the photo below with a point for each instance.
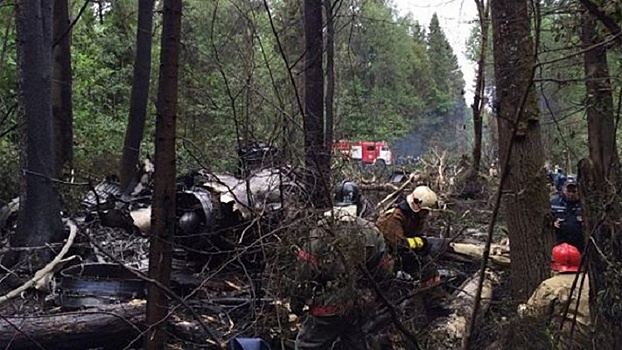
(417, 243)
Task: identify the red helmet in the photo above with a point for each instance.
(566, 258)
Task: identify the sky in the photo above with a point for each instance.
(455, 17)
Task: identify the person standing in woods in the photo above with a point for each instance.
(567, 218)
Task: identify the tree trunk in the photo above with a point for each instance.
(525, 197)
(39, 220)
(139, 96)
(163, 220)
(62, 108)
(480, 85)
(316, 154)
(330, 71)
(596, 181)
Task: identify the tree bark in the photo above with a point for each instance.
(163, 220)
(479, 98)
(39, 220)
(330, 71)
(105, 326)
(62, 108)
(525, 197)
(139, 95)
(317, 156)
(597, 185)
(117, 326)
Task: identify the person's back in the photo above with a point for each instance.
(335, 262)
(557, 300)
(553, 297)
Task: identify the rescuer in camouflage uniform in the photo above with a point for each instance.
(337, 262)
(555, 294)
(402, 227)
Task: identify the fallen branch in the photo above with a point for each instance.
(111, 325)
(47, 269)
(410, 337)
(390, 199)
(379, 187)
(114, 326)
(499, 254)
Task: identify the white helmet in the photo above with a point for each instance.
(422, 198)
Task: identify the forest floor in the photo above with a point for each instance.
(226, 295)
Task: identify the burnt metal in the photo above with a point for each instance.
(397, 177)
(253, 155)
(103, 195)
(98, 284)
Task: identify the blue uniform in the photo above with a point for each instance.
(571, 228)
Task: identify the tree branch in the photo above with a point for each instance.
(609, 22)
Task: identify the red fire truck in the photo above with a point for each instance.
(367, 152)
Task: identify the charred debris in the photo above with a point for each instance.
(232, 258)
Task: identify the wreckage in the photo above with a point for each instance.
(217, 213)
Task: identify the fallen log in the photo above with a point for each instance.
(110, 326)
(448, 332)
(499, 254)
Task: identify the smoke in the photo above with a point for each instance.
(409, 145)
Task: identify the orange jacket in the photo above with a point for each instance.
(399, 223)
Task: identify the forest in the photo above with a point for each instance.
(165, 161)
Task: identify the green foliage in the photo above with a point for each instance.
(9, 186)
(450, 108)
(235, 83)
(8, 77)
(102, 59)
(562, 90)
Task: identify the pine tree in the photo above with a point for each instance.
(451, 109)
